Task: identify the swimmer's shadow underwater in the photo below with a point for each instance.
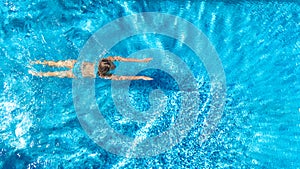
(139, 100)
(105, 66)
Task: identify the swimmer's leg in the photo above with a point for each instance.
(119, 58)
(67, 63)
(60, 74)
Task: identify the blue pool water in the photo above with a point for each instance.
(257, 42)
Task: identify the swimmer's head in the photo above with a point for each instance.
(105, 66)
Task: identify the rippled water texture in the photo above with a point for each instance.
(258, 44)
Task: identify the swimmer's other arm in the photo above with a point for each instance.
(114, 77)
(121, 59)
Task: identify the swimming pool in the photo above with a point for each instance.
(257, 43)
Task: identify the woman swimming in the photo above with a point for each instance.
(87, 68)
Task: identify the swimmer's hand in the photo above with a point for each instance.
(147, 59)
(146, 78)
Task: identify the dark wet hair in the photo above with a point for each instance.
(105, 66)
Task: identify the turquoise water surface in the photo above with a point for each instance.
(257, 42)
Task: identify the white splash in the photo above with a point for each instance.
(21, 131)
(6, 108)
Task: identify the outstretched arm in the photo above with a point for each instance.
(119, 58)
(114, 77)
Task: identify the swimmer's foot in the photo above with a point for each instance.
(33, 73)
(36, 62)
